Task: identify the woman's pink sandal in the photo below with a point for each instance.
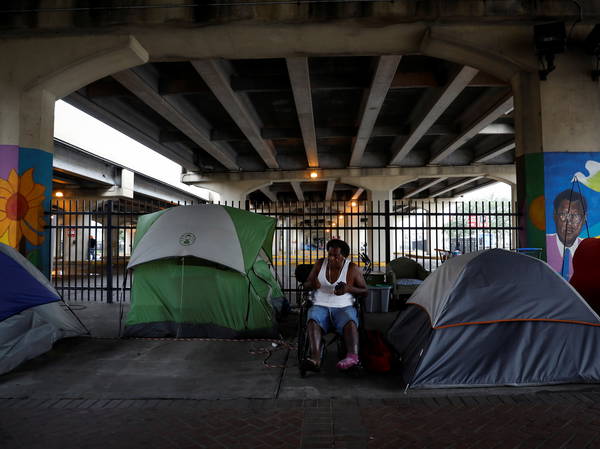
(347, 363)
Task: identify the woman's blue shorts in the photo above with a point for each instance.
(336, 317)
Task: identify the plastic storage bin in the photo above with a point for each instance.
(378, 298)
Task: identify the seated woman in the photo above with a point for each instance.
(336, 282)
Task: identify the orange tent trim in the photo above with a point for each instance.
(518, 320)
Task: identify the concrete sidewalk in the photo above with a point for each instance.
(113, 393)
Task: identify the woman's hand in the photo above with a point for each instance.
(341, 288)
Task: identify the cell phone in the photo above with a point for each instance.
(339, 286)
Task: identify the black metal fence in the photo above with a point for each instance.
(92, 239)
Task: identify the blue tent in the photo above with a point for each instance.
(32, 314)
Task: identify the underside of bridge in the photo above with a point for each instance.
(325, 113)
(381, 99)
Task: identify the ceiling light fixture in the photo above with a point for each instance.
(59, 194)
(314, 174)
(550, 39)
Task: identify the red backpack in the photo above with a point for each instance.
(376, 355)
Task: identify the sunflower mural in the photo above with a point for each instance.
(21, 210)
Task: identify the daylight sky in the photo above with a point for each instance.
(86, 132)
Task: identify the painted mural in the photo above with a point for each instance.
(530, 167)
(572, 197)
(25, 193)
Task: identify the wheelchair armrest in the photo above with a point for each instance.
(307, 298)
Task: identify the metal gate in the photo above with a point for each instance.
(92, 239)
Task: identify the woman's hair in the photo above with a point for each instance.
(337, 243)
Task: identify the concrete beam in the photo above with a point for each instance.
(429, 110)
(423, 187)
(201, 136)
(323, 133)
(411, 80)
(357, 193)
(498, 109)
(277, 83)
(183, 157)
(181, 87)
(298, 190)
(456, 186)
(470, 187)
(351, 173)
(154, 189)
(329, 190)
(384, 74)
(70, 159)
(216, 75)
(268, 193)
(300, 81)
(76, 161)
(501, 149)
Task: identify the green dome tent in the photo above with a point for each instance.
(202, 271)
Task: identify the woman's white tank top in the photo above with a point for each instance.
(325, 296)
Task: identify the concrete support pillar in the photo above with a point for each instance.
(380, 244)
(26, 173)
(234, 192)
(33, 75)
(558, 140)
(529, 159)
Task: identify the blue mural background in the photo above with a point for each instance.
(559, 170)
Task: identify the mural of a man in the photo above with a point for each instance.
(569, 215)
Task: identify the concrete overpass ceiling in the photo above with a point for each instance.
(440, 187)
(312, 191)
(216, 116)
(62, 180)
(473, 186)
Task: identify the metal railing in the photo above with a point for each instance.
(92, 239)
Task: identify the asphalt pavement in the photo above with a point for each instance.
(102, 391)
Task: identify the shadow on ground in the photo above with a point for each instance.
(103, 367)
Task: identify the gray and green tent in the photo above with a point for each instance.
(202, 271)
(496, 317)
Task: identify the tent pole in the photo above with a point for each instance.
(122, 302)
(75, 315)
(180, 300)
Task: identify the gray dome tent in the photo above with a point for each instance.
(32, 314)
(496, 317)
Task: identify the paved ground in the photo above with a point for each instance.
(549, 420)
(111, 393)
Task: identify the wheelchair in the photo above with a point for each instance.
(305, 302)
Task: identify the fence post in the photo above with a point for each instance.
(387, 232)
(109, 243)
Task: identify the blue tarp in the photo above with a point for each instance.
(19, 290)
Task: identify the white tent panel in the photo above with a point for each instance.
(433, 293)
(202, 231)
